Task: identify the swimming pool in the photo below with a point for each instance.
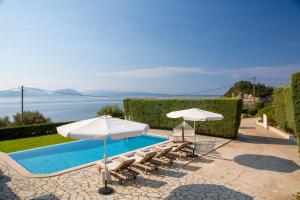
(52, 159)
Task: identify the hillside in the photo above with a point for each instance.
(29, 92)
(68, 91)
(246, 87)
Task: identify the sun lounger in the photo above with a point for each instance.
(181, 150)
(161, 158)
(142, 160)
(120, 169)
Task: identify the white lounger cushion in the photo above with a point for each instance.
(112, 165)
(136, 157)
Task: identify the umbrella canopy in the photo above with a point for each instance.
(195, 114)
(100, 128)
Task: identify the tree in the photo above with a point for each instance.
(246, 87)
(114, 111)
(259, 105)
(4, 121)
(30, 118)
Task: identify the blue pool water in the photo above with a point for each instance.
(56, 158)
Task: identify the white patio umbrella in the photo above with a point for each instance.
(195, 114)
(100, 128)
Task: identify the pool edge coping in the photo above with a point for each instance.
(24, 172)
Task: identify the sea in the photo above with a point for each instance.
(61, 108)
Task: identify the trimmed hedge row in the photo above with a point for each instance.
(153, 112)
(284, 108)
(29, 130)
(269, 111)
(295, 85)
(287, 106)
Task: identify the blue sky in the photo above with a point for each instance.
(166, 46)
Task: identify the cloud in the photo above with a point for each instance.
(259, 71)
(157, 72)
(263, 71)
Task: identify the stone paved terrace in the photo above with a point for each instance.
(258, 165)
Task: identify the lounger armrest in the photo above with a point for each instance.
(186, 150)
(123, 157)
(139, 153)
(119, 176)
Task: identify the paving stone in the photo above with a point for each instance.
(195, 181)
(25, 194)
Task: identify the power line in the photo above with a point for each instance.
(107, 96)
(218, 88)
(9, 90)
(69, 93)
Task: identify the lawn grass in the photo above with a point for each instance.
(19, 144)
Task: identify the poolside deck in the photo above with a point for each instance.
(258, 165)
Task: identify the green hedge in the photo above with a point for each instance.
(287, 106)
(29, 130)
(269, 111)
(295, 85)
(284, 108)
(153, 112)
(126, 107)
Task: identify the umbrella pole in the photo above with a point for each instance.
(182, 133)
(105, 190)
(105, 167)
(194, 138)
(194, 155)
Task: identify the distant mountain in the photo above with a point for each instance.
(68, 91)
(108, 93)
(246, 87)
(31, 92)
(122, 94)
(144, 94)
(27, 92)
(10, 94)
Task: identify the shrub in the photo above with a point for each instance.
(287, 106)
(295, 86)
(245, 110)
(153, 112)
(252, 111)
(4, 121)
(284, 108)
(126, 106)
(246, 87)
(259, 105)
(30, 118)
(114, 111)
(269, 111)
(29, 130)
